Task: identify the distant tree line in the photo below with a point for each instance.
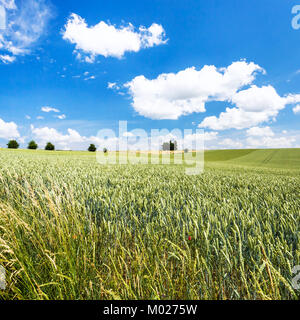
(32, 145)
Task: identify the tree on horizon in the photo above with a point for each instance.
(50, 147)
(170, 146)
(92, 148)
(32, 145)
(13, 144)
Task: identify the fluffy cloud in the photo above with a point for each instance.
(49, 109)
(232, 118)
(171, 95)
(108, 40)
(253, 106)
(260, 132)
(189, 140)
(26, 23)
(8, 130)
(72, 140)
(208, 136)
(253, 138)
(256, 137)
(229, 143)
(265, 137)
(270, 142)
(62, 141)
(136, 139)
(296, 109)
(257, 99)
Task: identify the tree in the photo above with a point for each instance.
(49, 146)
(105, 150)
(13, 144)
(32, 145)
(92, 148)
(170, 146)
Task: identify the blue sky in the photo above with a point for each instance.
(228, 67)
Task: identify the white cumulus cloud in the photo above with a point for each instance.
(296, 109)
(108, 40)
(172, 95)
(271, 142)
(72, 140)
(229, 143)
(62, 141)
(8, 130)
(260, 132)
(253, 106)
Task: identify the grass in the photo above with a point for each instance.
(73, 229)
(225, 155)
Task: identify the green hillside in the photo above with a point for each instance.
(225, 155)
(275, 158)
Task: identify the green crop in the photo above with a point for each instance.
(71, 228)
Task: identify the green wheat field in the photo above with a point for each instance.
(71, 228)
